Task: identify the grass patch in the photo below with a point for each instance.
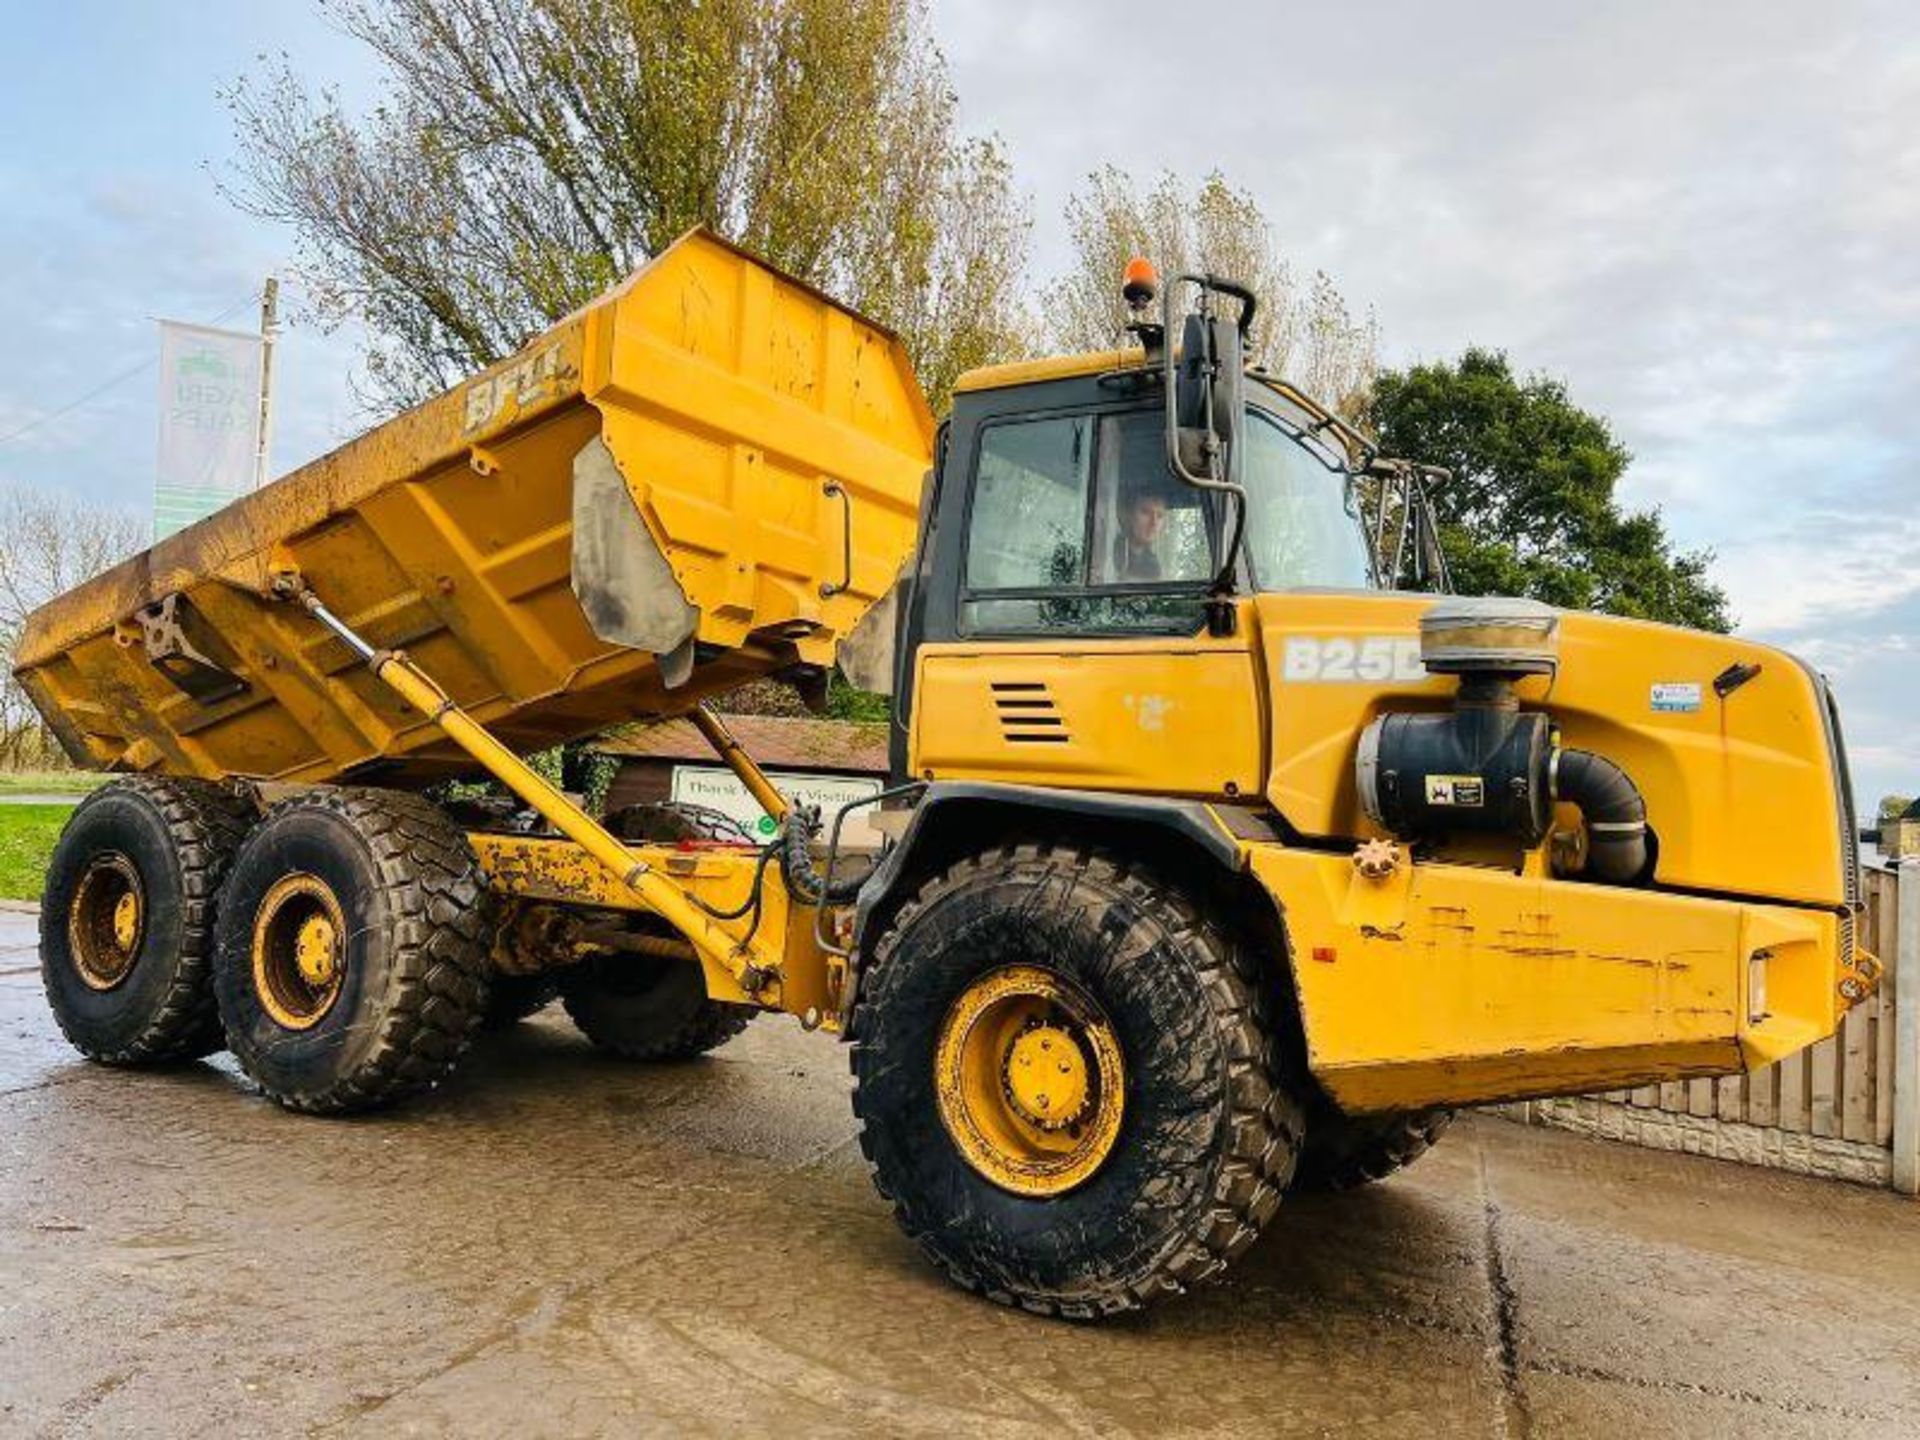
(27, 833)
(51, 782)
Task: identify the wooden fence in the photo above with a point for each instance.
(1848, 1107)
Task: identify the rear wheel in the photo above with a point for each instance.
(668, 822)
(1343, 1151)
(351, 964)
(513, 998)
(1068, 1083)
(126, 919)
(644, 1007)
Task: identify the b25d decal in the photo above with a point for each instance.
(1340, 659)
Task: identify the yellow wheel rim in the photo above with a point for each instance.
(1030, 1081)
(299, 951)
(107, 921)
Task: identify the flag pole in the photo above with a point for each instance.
(269, 327)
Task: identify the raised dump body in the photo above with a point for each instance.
(706, 475)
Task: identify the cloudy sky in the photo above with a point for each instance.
(1704, 216)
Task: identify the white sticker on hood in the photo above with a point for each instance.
(1680, 697)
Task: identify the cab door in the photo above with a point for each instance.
(1063, 629)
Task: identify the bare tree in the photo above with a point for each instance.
(1304, 330)
(530, 152)
(49, 542)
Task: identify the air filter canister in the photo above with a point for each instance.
(1490, 635)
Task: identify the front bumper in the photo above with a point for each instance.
(1452, 984)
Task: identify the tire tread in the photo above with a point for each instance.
(206, 822)
(439, 897)
(1264, 1125)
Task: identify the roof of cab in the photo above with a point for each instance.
(1050, 367)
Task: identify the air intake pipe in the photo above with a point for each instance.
(1488, 766)
(1614, 812)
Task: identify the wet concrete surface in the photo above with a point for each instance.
(560, 1244)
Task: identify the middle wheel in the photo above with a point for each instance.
(1068, 1082)
(350, 965)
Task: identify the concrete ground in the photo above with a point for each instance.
(558, 1244)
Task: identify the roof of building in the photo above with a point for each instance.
(777, 742)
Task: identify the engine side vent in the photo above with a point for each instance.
(1028, 715)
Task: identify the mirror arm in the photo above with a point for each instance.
(1230, 485)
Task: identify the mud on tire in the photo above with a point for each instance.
(413, 923)
(171, 842)
(1210, 1125)
(1343, 1151)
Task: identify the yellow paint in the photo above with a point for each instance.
(765, 794)
(734, 401)
(313, 950)
(1160, 716)
(730, 396)
(126, 922)
(106, 920)
(664, 896)
(1030, 1081)
(1741, 792)
(801, 977)
(1051, 367)
(1462, 984)
(299, 964)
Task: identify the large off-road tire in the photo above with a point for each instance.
(513, 998)
(351, 964)
(642, 1007)
(126, 919)
(1032, 957)
(1343, 1151)
(667, 822)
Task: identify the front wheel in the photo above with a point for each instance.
(1068, 1082)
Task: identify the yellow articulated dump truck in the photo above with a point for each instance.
(1224, 851)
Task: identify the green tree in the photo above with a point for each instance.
(1892, 807)
(1532, 507)
(1303, 328)
(529, 153)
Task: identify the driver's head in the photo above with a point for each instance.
(1144, 516)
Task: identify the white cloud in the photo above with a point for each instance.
(1701, 216)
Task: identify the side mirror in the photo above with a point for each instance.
(1205, 383)
(1209, 393)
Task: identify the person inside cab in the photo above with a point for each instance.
(1143, 520)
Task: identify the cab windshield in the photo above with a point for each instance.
(1303, 523)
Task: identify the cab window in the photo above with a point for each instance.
(1080, 513)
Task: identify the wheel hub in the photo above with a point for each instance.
(106, 921)
(126, 921)
(299, 955)
(1046, 1077)
(313, 950)
(1029, 1080)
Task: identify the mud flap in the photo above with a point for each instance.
(866, 655)
(620, 576)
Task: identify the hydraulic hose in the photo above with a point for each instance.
(1614, 812)
(798, 831)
